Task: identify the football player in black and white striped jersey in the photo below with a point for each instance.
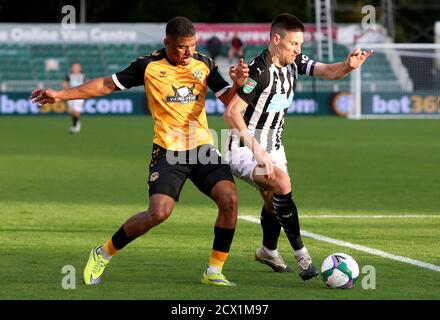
(254, 148)
(75, 107)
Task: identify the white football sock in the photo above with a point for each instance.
(300, 252)
(272, 253)
(102, 252)
(213, 269)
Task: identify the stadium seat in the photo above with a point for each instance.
(50, 62)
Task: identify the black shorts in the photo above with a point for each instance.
(169, 169)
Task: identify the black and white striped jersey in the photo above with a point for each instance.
(76, 79)
(269, 92)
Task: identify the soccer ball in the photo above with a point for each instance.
(339, 270)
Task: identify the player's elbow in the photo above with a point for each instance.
(108, 85)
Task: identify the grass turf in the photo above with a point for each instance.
(62, 194)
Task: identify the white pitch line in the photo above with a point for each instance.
(341, 243)
(376, 216)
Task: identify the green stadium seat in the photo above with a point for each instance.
(28, 61)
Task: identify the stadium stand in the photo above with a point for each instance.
(25, 66)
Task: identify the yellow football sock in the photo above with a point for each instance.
(109, 248)
(217, 260)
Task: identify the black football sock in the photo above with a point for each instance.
(271, 229)
(287, 214)
(75, 120)
(222, 239)
(120, 239)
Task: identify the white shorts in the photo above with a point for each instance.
(75, 105)
(243, 163)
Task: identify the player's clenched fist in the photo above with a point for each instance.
(43, 96)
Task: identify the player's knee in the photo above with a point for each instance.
(283, 185)
(228, 203)
(230, 200)
(159, 215)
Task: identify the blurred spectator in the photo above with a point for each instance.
(236, 49)
(52, 64)
(214, 46)
(75, 79)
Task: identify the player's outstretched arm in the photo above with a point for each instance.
(93, 88)
(339, 70)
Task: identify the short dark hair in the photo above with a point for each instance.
(286, 22)
(180, 27)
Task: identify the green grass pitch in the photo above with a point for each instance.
(61, 194)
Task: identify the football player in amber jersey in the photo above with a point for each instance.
(176, 79)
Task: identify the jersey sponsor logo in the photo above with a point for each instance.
(279, 102)
(183, 94)
(249, 85)
(162, 74)
(198, 74)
